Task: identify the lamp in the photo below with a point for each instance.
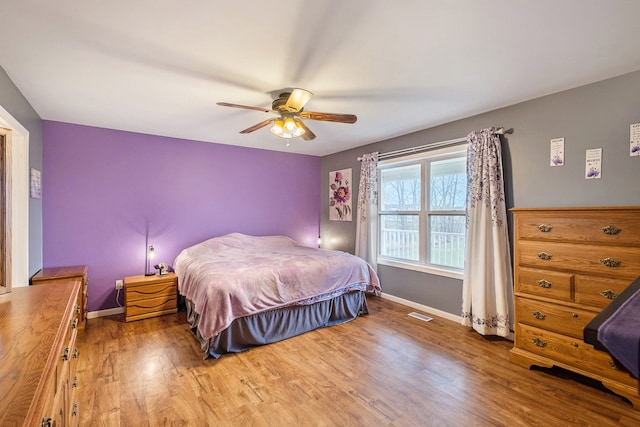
(287, 127)
(150, 256)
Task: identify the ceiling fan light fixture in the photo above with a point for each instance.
(287, 128)
(278, 128)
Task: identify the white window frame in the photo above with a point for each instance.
(422, 264)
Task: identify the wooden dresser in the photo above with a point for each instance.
(64, 274)
(150, 296)
(38, 330)
(569, 264)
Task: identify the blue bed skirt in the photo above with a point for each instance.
(279, 324)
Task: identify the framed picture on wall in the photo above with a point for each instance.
(36, 185)
(340, 195)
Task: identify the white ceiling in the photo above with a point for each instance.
(160, 66)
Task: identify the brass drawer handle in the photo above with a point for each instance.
(613, 365)
(545, 228)
(544, 283)
(74, 381)
(545, 256)
(610, 262)
(65, 354)
(77, 309)
(46, 422)
(74, 412)
(538, 315)
(609, 294)
(539, 342)
(75, 353)
(74, 325)
(610, 230)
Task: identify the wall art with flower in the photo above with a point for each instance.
(340, 195)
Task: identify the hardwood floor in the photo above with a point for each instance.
(382, 369)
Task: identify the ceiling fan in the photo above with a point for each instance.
(289, 112)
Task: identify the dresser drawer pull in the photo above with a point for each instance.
(613, 365)
(65, 354)
(539, 342)
(74, 325)
(46, 422)
(544, 283)
(545, 228)
(610, 262)
(74, 381)
(538, 315)
(75, 353)
(610, 230)
(609, 294)
(545, 256)
(77, 309)
(575, 344)
(74, 412)
(574, 315)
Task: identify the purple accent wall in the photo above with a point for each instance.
(105, 192)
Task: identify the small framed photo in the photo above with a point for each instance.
(36, 184)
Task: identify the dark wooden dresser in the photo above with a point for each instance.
(38, 330)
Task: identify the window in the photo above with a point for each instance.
(421, 211)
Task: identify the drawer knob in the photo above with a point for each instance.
(545, 256)
(545, 228)
(65, 354)
(610, 262)
(613, 365)
(544, 283)
(574, 315)
(539, 342)
(610, 230)
(575, 344)
(538, 315)
(609, 294)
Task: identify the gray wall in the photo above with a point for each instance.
(593, 116)
(12, 100)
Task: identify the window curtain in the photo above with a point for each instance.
(487, 271)
(367, 219)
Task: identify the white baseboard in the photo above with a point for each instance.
(104, 313)
(424, 308)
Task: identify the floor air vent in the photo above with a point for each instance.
(420, 316)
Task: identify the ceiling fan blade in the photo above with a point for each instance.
(259, 125)
(329, 117)
(297, 100)
(307, 135)
(245, 107)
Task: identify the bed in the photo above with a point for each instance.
(243, 291)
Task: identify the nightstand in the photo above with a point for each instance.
(150, 296)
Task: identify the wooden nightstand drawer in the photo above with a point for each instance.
(150, 296)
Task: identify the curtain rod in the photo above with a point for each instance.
(499, 131)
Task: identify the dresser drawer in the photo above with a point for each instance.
(553, 317)
(617, 228)
(598, 291)
(544, 283)
(571, 351)
(615, 261)
(136, 293)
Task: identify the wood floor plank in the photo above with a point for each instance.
(385, 368)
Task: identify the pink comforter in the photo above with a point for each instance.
(238, 275)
